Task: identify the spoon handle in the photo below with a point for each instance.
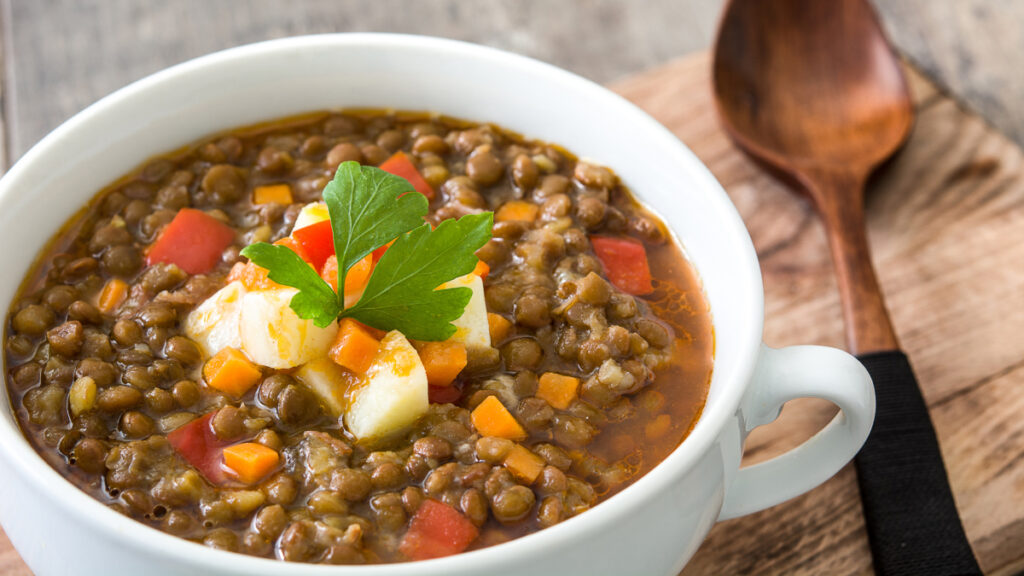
(911, 516)
(839, 197)
(909, 510)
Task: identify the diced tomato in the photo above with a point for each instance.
(625, 263)
(193, 241)
(444, 394)
(437, 530)
(400, 165)
(316, 242)
(200, 447)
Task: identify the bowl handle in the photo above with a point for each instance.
(801, 372)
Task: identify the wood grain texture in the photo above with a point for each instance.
(10, 562)
(946, 220)
(946, 217)
(971, 48)
(3, 94)
(93, 47)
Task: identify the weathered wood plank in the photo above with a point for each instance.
(10, 562)
(3, 95)
(971, 48)
(946, 217)
(946, 221)
(93, 47)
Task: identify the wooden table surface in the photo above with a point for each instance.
(946, 224)
(946, 217)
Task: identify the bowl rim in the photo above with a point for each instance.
(700, 440)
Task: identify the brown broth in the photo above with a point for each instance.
(664, 411)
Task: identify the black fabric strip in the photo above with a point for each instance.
(912, 522)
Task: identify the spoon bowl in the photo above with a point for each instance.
(831, 95)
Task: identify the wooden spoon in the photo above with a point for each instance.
(812, 89)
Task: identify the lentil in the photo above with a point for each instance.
(103, 391)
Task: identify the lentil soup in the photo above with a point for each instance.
(588, 364)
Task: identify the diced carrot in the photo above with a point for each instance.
(482, 269)
(523, 464)
(291, 244)
(380, 251)
(516, 210)
(317, 242)
(330, 272)
(278, 193)
(354, 348)
(500, 328)
(400, 165)
(236, 273)
(443, 361)
(557, 389)
(355, 279)
(491, 418)
(625, 263)
(437, 530)
(251, 276)
(193, 241)
(375, 332)
(250, 462)
(231, 372)
(254, 277)
(114, 293)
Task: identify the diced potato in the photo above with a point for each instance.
(328, 381)
(393, 394)
(311, 214)
(472, 328)
(273, 335)
(214, 324)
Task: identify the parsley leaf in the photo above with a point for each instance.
(401, 295)
(315, 300)
(369, 207)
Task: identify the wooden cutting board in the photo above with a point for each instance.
(946, 223)
(947, 228)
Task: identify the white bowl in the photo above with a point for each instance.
(651, 527)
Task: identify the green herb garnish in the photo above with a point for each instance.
(400, 294)
(368, 208)
(316, 300)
